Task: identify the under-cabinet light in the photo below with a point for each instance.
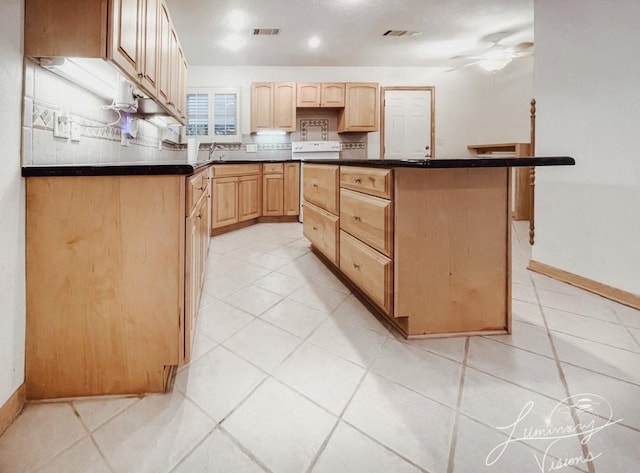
(94, 75)
(271, 132)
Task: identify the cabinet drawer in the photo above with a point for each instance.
(371, 271)
(321, 186)
(368, 180)
(222, 170)
(368, 218)
(272, 168)
(197, 185)
(321, 229)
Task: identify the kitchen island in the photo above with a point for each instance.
(427, 243)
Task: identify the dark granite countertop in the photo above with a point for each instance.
(184, 168)
(444, 163)
(131, 169)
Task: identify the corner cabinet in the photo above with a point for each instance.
(273, 106)
(137, 36)
(236, 195)
(117, 314)
(360, 113)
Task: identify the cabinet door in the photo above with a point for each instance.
(284, 106)
(332, 95)
(360, 108)
(191, 269)
(126, 35)
(308, 95)
(150, 37)
(164, 54)
(174, 68)
(225, 202)
(292, 189)
(248, 197)
(273, 195)
(181, 89)
(261, 106)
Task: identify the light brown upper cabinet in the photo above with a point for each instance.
(360, 113)
(320, 95)
(273, 106)
(137, 36)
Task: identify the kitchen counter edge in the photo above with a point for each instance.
(445, 163)
(132, 169)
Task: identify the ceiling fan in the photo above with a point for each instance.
(497, 56)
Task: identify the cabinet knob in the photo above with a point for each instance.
(357, 217)
(315, 228)
(357, 180)
(356, 266)
(201, 188)
(199, 216)
(315, 185)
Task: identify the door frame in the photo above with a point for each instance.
(432, 132)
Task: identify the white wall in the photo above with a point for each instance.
(471, 106)
(12, 280)
(586, 86)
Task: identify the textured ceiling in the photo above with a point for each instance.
(350, 31)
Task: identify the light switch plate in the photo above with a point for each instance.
(75, 131)
(60, 125)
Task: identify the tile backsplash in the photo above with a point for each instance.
(100, 140)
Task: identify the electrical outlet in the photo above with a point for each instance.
(252, 148)
(61, 125)
(75, 131)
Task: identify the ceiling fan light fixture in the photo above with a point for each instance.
(493, 65)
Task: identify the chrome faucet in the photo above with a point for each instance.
(213, 148)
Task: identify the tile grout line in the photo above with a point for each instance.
(90, 433)
(583, 445)
(454, 433)
(346, 406)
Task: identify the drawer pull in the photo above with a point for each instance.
(357, 217)
(199, 216)
(315, 228)
(356, 266)
(315, 185)
(202, 188)
(357, 180)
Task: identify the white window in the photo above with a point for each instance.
(213, 114)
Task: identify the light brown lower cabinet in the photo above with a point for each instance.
(248, 197)
(273, 195)
(430, 248)
(115, 266)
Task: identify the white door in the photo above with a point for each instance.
(407, 124)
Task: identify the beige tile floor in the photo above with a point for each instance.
(290, 373)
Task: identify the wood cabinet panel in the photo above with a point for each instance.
(108, 319)
(308, 94)
(321, 229)
(225, 202)
(126, 35)
(292, 189)
(321, 185)
(272, 195)
(164, 55)
(273, 168)
(149, 46)
(371, 271)
(249, 193)
(360, 112)
(372, 181)
(284, 106)
(222, 170)
(332, 94)
(261, 106)
(368, 218)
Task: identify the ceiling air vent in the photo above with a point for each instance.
(401, 33)
(266, 31)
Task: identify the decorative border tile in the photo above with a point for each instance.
(354, 145)
(323, 123)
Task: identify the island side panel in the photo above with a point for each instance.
(105, 286)
(452, 250)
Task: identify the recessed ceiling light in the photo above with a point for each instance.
(236, 19)
(314, 42)
(233, 42)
